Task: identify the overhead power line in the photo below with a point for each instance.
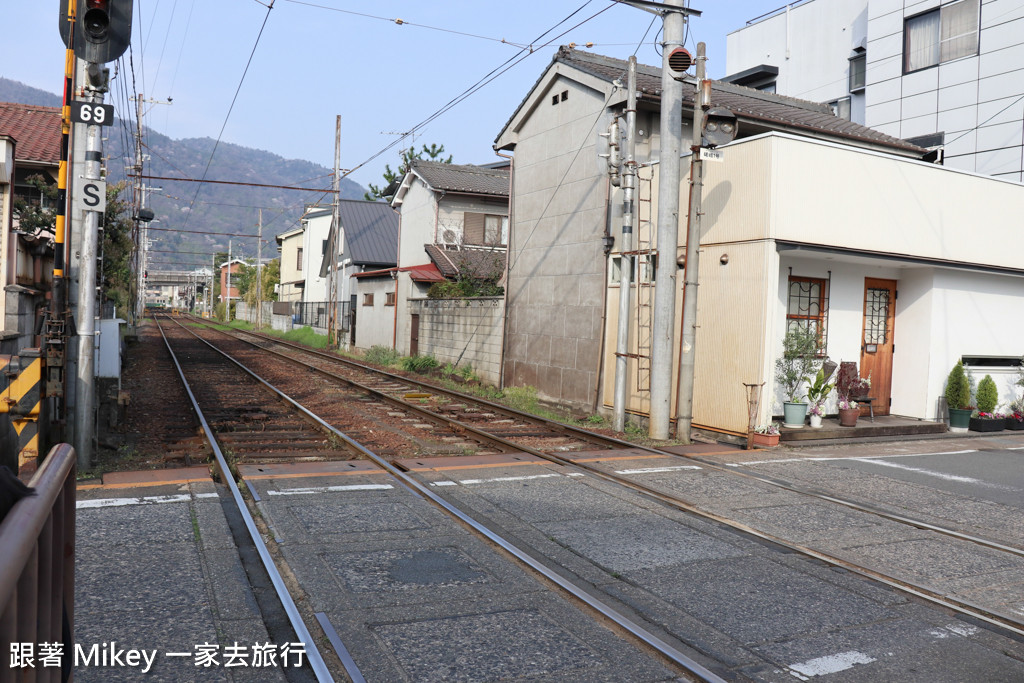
(233, 182)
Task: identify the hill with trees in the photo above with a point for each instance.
(189, 214)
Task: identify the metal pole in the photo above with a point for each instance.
(684, 400)
(144, 233)
(668, 229)
(626, 268)
(85, 388)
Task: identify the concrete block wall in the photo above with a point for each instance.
(466, 328)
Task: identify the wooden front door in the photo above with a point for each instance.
(876, 344)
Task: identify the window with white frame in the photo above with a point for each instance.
(941, 35)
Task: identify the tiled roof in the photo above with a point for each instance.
(426, 273)
(480, 262)
(771, 111)
(37, 131)
(371, 232)
(463, 178)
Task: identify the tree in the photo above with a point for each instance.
(119, 281)
(433, 153)
(33, 216)
(245, 281)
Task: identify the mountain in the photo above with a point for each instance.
(214, 208)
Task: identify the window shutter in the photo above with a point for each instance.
(473, 228)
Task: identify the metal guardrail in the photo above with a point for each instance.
(315, 313)
(37, 569)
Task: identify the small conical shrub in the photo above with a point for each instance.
(988, 394)
(958, 390)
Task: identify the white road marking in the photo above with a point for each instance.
(504, 479)
(847, 457)
(122, 502)
(654, 470)
(937, 475)
(330, 489)
(831, 664)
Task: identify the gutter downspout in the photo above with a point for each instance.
(508, 263)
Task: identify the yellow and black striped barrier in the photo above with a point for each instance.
(21, 385)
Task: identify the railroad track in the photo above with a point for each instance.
(478, 420)
(233, 386)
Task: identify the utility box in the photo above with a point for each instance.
(108, 357)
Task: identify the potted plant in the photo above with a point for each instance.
(1015, 420)
(766, 436)
(849, 385)
(985, 419)
(958, 398)
(849, 411)
(799, 350)
(818, 391)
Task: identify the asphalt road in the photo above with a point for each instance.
(992, 474)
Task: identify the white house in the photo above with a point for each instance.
(945, 75)
(897, 262)
(453, 220)
(293, 277)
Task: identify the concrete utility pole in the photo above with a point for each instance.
(85, 387)
(684, 404)
(625, 249)
(333, 246)
(259, 274)
(668, 227)
(227, 290)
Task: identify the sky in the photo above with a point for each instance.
(275, 78)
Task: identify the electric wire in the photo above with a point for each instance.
(492, 75)
(231, 108)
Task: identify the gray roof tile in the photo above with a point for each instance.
(371, 232)
(776, 112)
(463, 178)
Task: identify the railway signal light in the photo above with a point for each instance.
(103, 28)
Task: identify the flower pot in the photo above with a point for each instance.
(848, 417)
(1012, 423)
(815, 421)
(765, 440)
(794, 414)
(987, 424)
(959, 420)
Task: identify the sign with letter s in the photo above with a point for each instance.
(90, 195)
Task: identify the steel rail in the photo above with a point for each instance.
(414, 486)
(600, 439)
(313, 655)
(612, 442)
(555, 425)
(961, 606)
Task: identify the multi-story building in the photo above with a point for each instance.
(947, 75)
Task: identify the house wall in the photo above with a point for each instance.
(462, 332)
(964, 98)
(971, 100)
(317, 230)
(555, 286)
(291, 277)
(810, 45)
(374, 324)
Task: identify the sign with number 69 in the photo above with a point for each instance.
(94, 114)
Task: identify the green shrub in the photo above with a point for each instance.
(418, 363)
(382, 355)
(988, 394)
(958, 389)
(520, 398)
